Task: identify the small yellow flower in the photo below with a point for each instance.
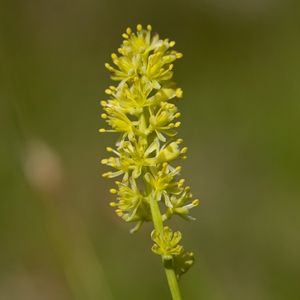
(166, 243)
(131, 205)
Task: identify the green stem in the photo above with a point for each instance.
(168, 264)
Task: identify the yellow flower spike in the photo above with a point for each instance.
(141, 109)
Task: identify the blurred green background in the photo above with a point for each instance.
(240, 74)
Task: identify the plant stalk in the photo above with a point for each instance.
(168, 264)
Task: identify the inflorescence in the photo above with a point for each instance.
(141, 108)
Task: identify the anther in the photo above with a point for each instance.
(184, 150)
(119, 212)
(196, 202)
(113, 191)
(181, 182)
(179, 93)
(178, 168)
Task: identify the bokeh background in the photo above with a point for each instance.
(240, 74)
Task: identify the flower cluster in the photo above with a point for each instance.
(141, 108)
(167, 245)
